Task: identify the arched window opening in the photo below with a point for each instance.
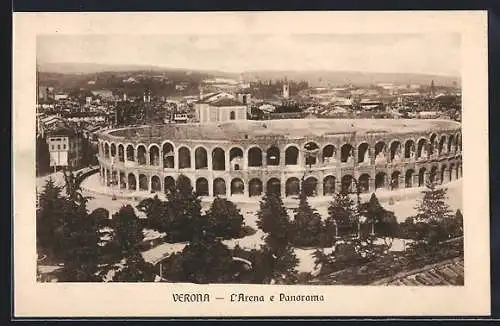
(273, 156)
(255, 187)
(201, 159)
(218, 159)
(291, 155)
(184, 158)
(168, 156)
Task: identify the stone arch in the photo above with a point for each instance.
(432, 143)
(121, 153)
(422, 176)
(236, 158)
(292, 155)
(168, 155)
(219, 187)
(329, 154)
(155, 184)
(451, 144)
(106, 150)
(442, 177)
(108, 178)
(395, 151)
(364, 153)
(237, 187)
(254, 156)
(347, 184)
(292, 187)
(433, 174)
(141, 155)
(422, 148)
(273, 186)
(458, 147)
(200, 158)
(346, 153)
(409, 178)
(154, 155)
(169, 184)
(380, 151)
(201, 187)
(218, 159)
(442, 145)
(410, 148)
(452, 172)
(184, 157)
(395, 180)
(130, 153)
(311, 152)
(273, 155)
(113, 149)
(380, 180)
(143, 182)
(132, 182)
(310, 187)
(255, 187)
(329, 185)
(364, 183)
(123, 181)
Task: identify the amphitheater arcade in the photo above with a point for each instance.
(251, 157)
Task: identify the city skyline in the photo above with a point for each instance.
(437, 54)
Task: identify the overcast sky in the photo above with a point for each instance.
(410, 53)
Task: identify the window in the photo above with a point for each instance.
(232, 115)
(64, 146)
(58, 147)
(53, 147)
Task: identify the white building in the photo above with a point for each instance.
(218, 107)
(64, 148)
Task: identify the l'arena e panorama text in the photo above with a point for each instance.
(241, 297)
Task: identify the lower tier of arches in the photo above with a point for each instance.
(284, 185)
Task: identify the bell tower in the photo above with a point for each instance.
(286, 90)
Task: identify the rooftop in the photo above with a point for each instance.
(291, 128)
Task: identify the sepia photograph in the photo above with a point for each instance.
(302, 158)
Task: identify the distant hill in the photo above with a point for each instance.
(95, 68)
(314, 78)
(324, 78)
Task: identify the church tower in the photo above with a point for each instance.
(286, 90)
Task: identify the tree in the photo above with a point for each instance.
(50, 216)
(127, 230)
(42, 155)
(225, 218)
(384, 222)
(80, 245)
(135, 270)
(433, 207)
(203, 260)
(180, 216)
(273, 219)
(341, 215)
(306, 228)
(433, 215)
(184, 208)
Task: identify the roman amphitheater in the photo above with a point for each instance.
(247, 158)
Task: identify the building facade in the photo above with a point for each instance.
(251, 162)
(65, 148)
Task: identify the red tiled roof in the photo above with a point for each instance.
(226, 102)
(449, 272)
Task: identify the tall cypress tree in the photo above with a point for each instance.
(433, 207)
(273, 219)
(307, 225)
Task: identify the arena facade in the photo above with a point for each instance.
(248, 158)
